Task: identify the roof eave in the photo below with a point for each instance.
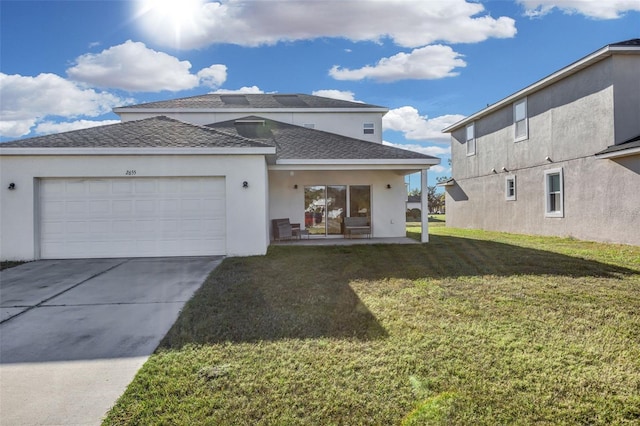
(355, 164)
(545, 82)
(25, 151)
(618, 154)
(247, 110)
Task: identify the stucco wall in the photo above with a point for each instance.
(387, 205)
(626, 77)
(246, 208)
(601, 201)
(569, 122)
(342, 123)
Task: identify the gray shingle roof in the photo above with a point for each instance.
(155, 132)
(301, 143)
(251, 100)
(630, 144)
(632, 42)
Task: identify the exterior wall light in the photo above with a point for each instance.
(245, 184)
(493, 170)
(504, 169)
(295, 186)
(548, 159)
(12, 186)
(388, 186)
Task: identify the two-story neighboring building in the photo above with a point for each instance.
(559, 157)
(203, 175)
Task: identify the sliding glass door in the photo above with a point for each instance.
(326, 206)
(315, 200)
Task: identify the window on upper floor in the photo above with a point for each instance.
(520, 120)
(554, 193)
(471, 139)
(368, 128)
(510, 188)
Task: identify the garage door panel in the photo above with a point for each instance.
(132, 217)
(147, 207)
(52, 208)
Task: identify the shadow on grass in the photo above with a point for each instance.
(305, 292)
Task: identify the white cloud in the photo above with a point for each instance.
(414, 126)
(598, 9)
(440, 169)
(213, 76)
(436, 151)
(16, 128)
(409, 23)
(426, 63)
(48, 127)
(344, 95)
(27, 100)
(244, 89)
(134, 67)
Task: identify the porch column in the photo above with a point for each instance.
(424, 206)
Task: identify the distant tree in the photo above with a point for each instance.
(415, 191)
(435, 200)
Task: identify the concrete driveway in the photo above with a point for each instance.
(73, 333)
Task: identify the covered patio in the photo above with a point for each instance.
(340, 241)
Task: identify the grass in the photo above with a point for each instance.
(472, 328)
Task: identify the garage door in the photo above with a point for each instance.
(141, 217)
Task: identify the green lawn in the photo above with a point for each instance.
(472, 328)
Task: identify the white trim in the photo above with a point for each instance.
(252, 110)
(137, 151)
(405, 168)
(449, 182)
(565, 72)
(517, 138)
(412, 162)
(620, 153)
(471, 126)
(368, 128)
(424, 206)
(506, 188)
(556, 213)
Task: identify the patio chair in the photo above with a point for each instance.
(284, 230)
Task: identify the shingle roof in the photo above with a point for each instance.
(301, 143)
(290, 142)
(627, 145)
(251, 101)
(632, 42)
(154, 132)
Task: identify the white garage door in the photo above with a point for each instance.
(139, 217)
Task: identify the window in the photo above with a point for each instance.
(510, 188)
(471, 139)
(325, 207)
(520, 124)
(554, 205)
(368, 128)
(360, 201)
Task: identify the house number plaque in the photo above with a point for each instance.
(130, 173)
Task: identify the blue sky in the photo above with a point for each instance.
(65, 64)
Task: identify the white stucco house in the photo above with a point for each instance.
(203, 175)
(559, 157)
